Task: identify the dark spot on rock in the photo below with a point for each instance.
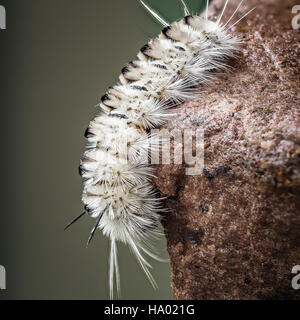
(177, 237)
(274, 182)
(222, 170)
(268, 267)
(195, 236)
(247, 280)
(173, 198)
(176, 197)
(203, 208)
(208, 175)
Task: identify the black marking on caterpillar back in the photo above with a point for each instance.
(104, 98)
(160, 66)
(186, 19)
(88, 133)
(180, 48)
(132, 64)
(81, 171)
(125, 70)
(166, 30)
(85, 158)
(118, 115)
(141, 88)
(145, 48)
(87, 209)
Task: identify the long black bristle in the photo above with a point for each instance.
(95, 228)
(75, 219)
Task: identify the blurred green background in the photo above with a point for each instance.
(57, 59)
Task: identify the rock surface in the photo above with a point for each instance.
(234, 231)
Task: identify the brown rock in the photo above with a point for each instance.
(234, 231)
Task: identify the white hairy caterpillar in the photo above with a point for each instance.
(118, 191)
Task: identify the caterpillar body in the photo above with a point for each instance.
(118, 191)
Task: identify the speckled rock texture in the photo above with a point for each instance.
(234, 231)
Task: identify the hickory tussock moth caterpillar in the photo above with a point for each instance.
(118, 192)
